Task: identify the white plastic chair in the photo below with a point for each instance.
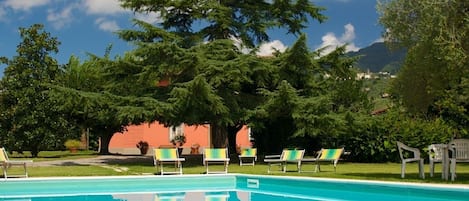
(435, 155)
(403, 149)
(460, 154)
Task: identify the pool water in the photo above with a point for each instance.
(230, 187)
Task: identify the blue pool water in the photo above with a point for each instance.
(231, 187)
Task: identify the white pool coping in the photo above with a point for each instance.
(377, 182)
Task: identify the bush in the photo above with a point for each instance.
(72, 144)
(373, 138)
(179, 139)
(143, 146)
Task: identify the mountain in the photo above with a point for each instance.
(378, 57)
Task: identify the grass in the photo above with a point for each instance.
(345, 170)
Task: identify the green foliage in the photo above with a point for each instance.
(455, 108)
(420, 80)
(30, 119)
(374, 139)
(435, 71)
(211, 82)
(248, 21)
(198, 102)
(72, 144)
(296, 66)
(311, 110)
(178, 140)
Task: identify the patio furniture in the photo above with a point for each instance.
(216, 156)
(217, 196)
(7, 163)
(249, 155)
(459, 154)
(287, 156)
(164, 156)
(329, 155)
(435, 155)
(178, 196)
(404, 153)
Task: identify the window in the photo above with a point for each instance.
(176, 130)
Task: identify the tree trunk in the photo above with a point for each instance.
(34, 147)
(218, 135)
(34, 152)
(105, 139)
(232, 133)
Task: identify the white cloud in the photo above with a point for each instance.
(239, 44)
(107, 25)
(151, 17)
(330, 41)
(267, 49)
(24, 4)
(62, 18)
(349, 34)
(379, 40)
(103, 7)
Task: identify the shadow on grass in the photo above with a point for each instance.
(53, 154)
(384, 176)
(462, 178)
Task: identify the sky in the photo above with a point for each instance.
(88, 26)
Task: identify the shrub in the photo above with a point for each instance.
(181, 139)
(72, 144)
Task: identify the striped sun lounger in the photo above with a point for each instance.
(216, 156)
(331, 155)
(287, 156)
(167, 156)
(248, 155)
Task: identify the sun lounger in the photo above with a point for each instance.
(248, 155)
(216, 196)
(7, 163)
(164, 156)
(216, 156)
(287, 156)
(177, 196)
(328, 155)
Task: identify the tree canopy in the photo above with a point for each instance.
(30, 119)
(433, 78)
(245, 20)
(220, 70)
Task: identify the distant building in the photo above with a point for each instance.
(361, 76)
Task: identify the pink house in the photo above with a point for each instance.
(158, 135)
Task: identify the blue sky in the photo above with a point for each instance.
(87, 26)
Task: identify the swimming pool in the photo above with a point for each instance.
(228, 187)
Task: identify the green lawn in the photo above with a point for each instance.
(345, 170)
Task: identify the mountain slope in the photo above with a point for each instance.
(378, 57)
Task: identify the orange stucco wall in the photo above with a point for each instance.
(157, 135)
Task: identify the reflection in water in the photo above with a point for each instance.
(177, 196)
(169, 196)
